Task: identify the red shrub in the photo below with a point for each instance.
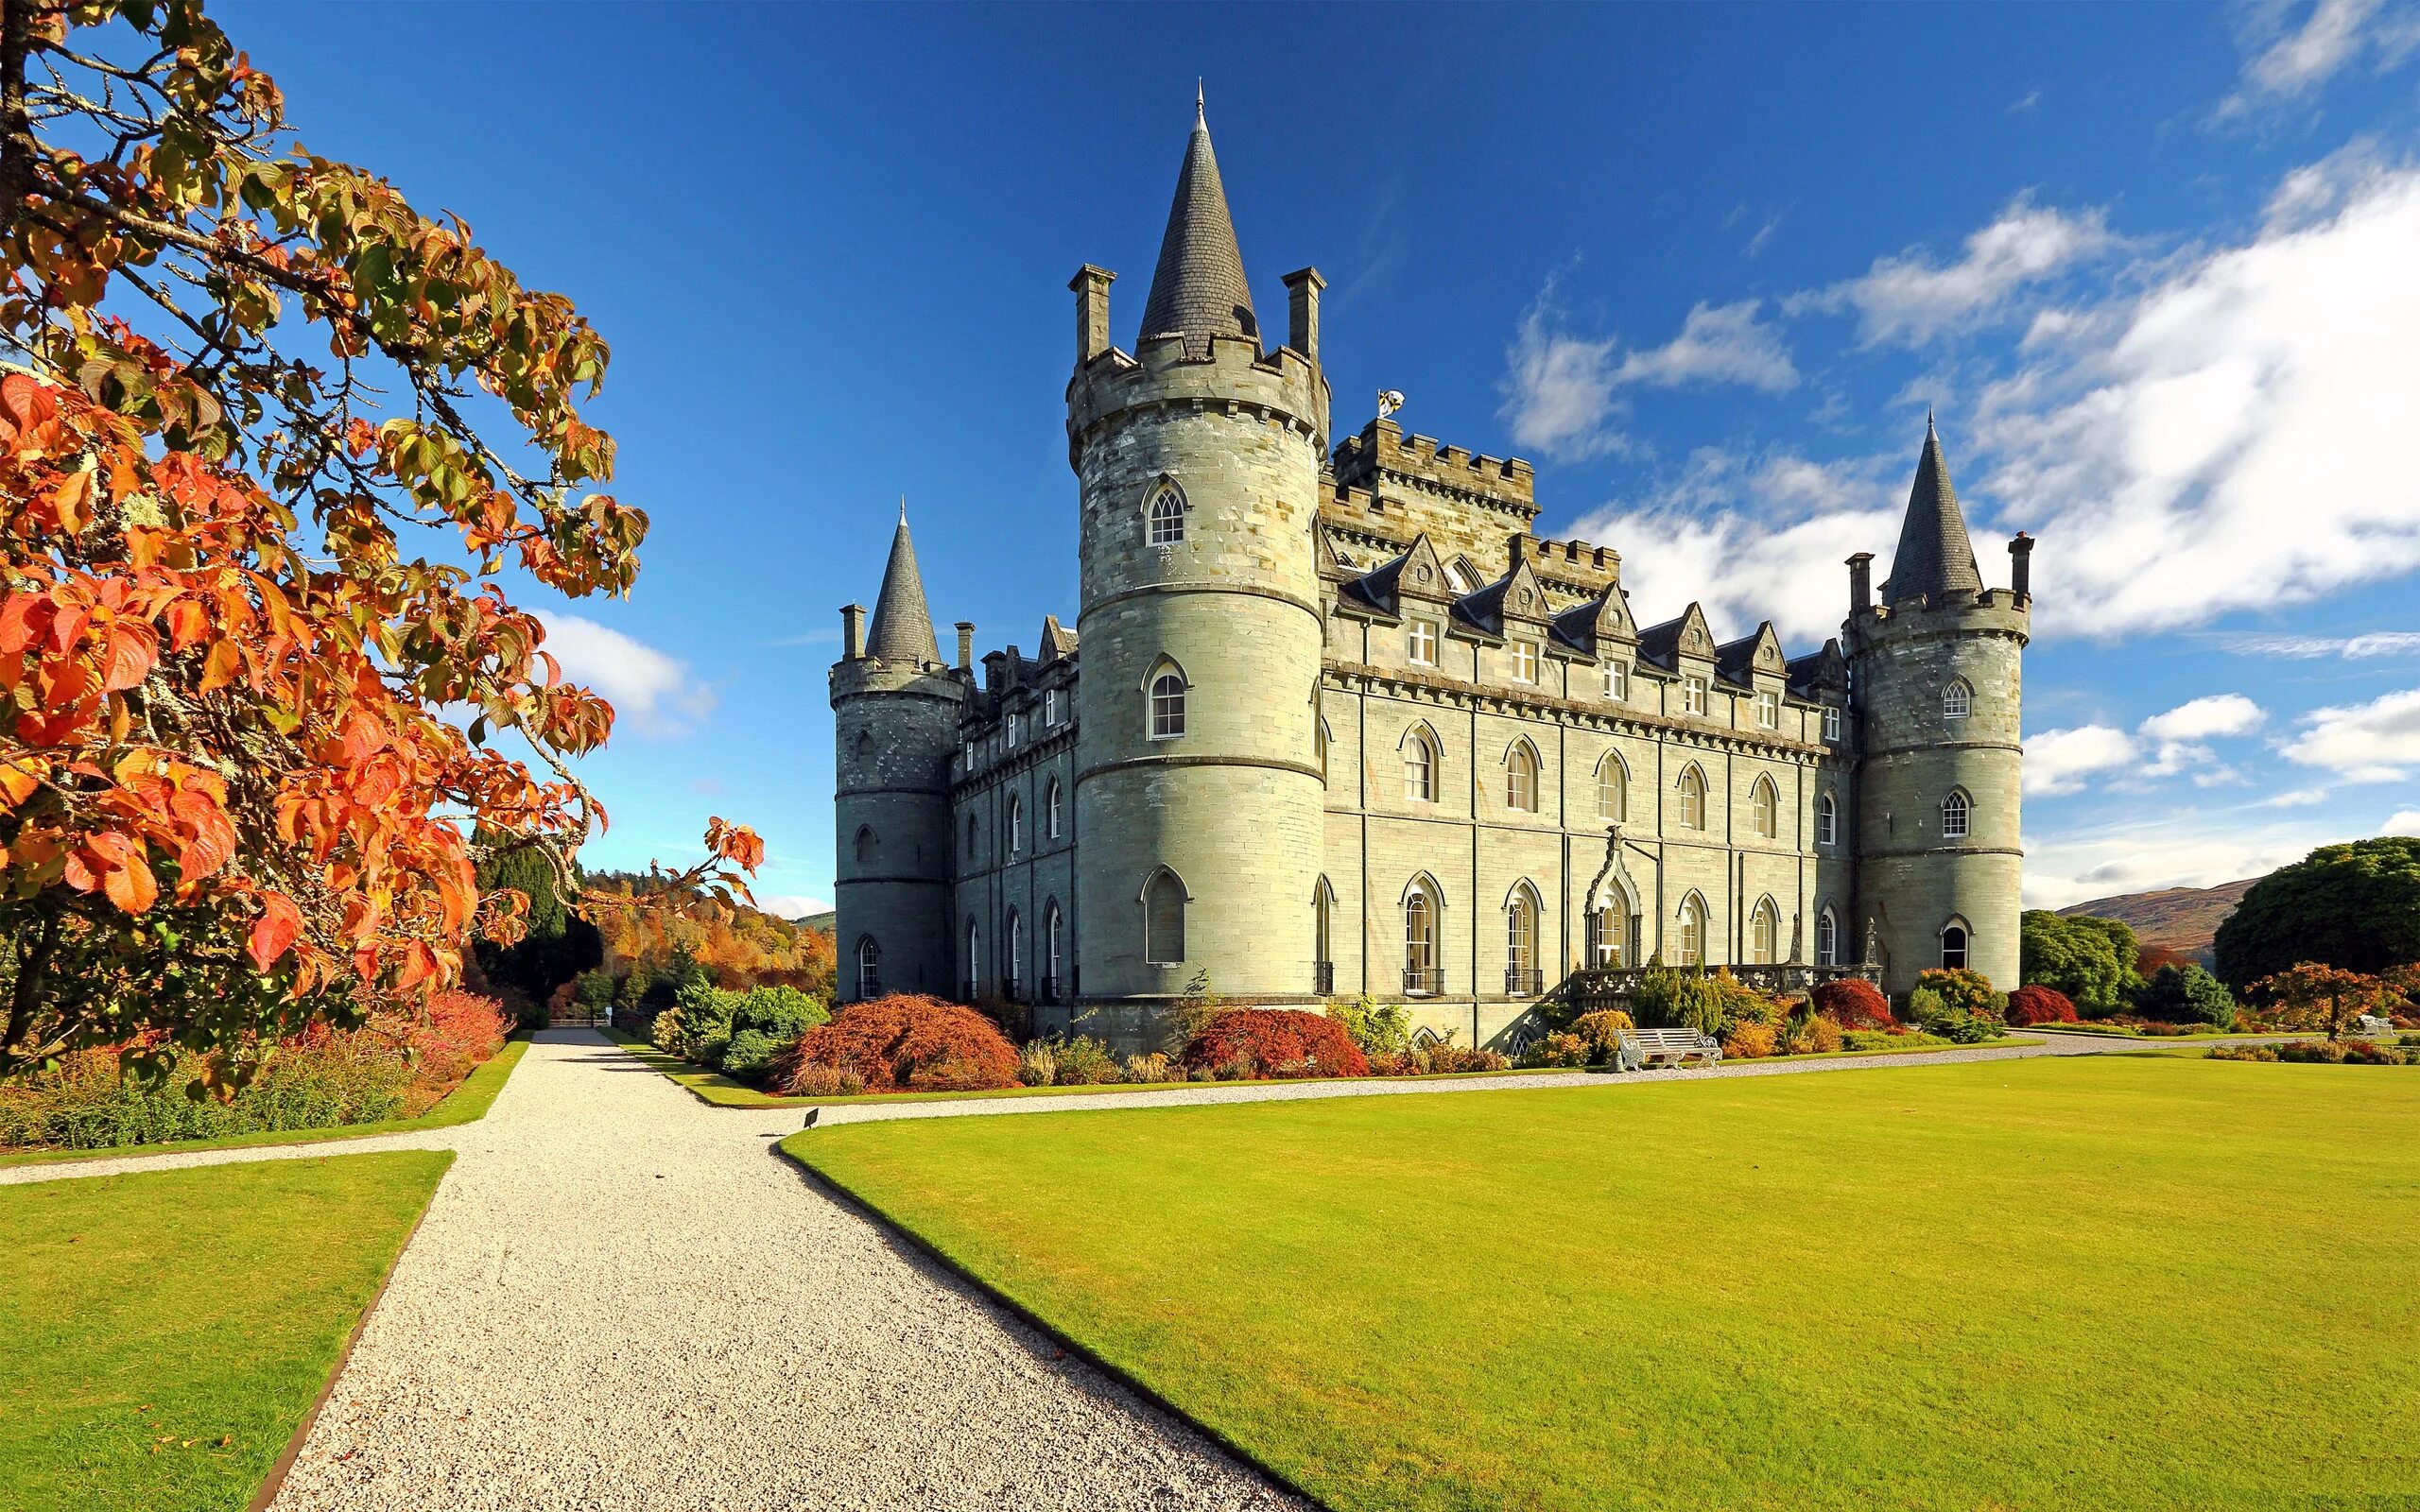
(2039, 1004)
(1855, 1002)
(904, 1043)
(1306, 1045)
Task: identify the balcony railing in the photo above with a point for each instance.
(1323, 978)
(1423, 981)
(1524, 981)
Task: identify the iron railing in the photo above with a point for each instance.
(1424, 980)
(1524, 981)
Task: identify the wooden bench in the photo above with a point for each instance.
(1673, 1045)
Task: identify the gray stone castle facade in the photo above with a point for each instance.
(1333, 721)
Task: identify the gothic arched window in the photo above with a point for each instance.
(1953, 948)
(1167, 518)
(1520, 942)
(1168, 702)
(869, 969)
(1692, 951)
(1420, 767)
(1828, 940)
(1053, 801)
(1016, 824)
(1827, 820)
(1691, 793)
(1613, 789)
(865, 845)
(1764, 934)
(1521, 778)
(1164, 918)
(1954, 815)
(1764, 809)
(1956, 701)
(1420, 910)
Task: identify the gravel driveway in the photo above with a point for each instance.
(623, 1299)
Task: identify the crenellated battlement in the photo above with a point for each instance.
(1383, 453)
(1995, 610)
(1574, 563)
(1278, 385)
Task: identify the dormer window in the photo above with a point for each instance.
(1421, 642)
(1165, 517)
(1524, 661)
(1769, 710)
(1693, 696)
(1618, 681)
(1832, 725)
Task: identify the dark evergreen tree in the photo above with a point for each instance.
(560, 944)
(2355, 905)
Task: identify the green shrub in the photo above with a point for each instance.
(1378, 1029)
(84, 1104)
(2186, 994)
(666, 1032)
(594, 990)
(1557, 1050)
(1965, 991)
(749, 1055)
(708, 1052)
(1602, 1032)
(1655, 1001)
(1037, 1063)
(1923, 1004)
(1085, 1061)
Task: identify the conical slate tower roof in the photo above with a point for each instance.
(1199, 287)
(902, 627)
(1934, 556)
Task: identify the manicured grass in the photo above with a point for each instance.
(2107, 1282)
(467, 1102)
(168, 1332)
(721, 1091)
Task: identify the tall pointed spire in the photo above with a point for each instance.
(1934, 555)
(902, 627)
(1199, 287)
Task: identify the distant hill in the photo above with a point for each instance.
(827, 922)
(2182, 918)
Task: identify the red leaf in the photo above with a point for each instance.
(274, 931)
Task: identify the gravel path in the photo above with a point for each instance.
(623, 1299)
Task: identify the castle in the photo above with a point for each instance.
(1334, 723)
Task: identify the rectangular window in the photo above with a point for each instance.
(1769, 710)
(1012, 730)
(1693, 696)
(1422, 642)
(1832, 725)
(1051, 706)
(1524, 661)
(1618, 681)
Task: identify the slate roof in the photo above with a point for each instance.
(1199, 287)
(1934, 555)
(902, 627)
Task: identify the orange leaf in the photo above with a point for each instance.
(131, 886)
(274, 931)
(225, 660)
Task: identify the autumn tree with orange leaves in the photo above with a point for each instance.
(269, 438)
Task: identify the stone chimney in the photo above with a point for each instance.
(1861, 582)
(852, 631)
(966, 646)
(1303, 310)
(2020, 566)
(1092, 311)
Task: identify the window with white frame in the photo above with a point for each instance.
(1953, 948)
(1828, 940)
(1051, 706)
(1521, 780)
(1769, 710)
(1764, 809)
(1420, 642)
(1012, 729)
(1164, 919)
(1618, 681)
(1419, 974)
(1956, 701)
(1827, 819)
(1016, 824)
(1420, 767)
(1954, 814)
(1764, 934)
(1692, 952)
(869, 969)
(1167, 528)
(1053, 804)
(1524, 661)
(1168, 705)
(1832, 725)
(1613, 792)
(1693, 696)
(1690, 791)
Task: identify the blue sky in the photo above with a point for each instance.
(1706, 266)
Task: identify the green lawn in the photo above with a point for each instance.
(2121, 1283)
(168, 1332)
(469, 1101)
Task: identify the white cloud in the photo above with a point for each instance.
(2306, 647)
(1911, 299)
(2058, 760)
(2300, 798)
(651, 692)
(2166, 745)
(1562, 390)
(2235, 436)
(2224, 714)
(2403, 821)
(2067, 869)
(791, 905)
(2374, 742)
(2288, 61)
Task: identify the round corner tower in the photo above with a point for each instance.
(1198, 793)
(1937, 678)
(895, 709)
